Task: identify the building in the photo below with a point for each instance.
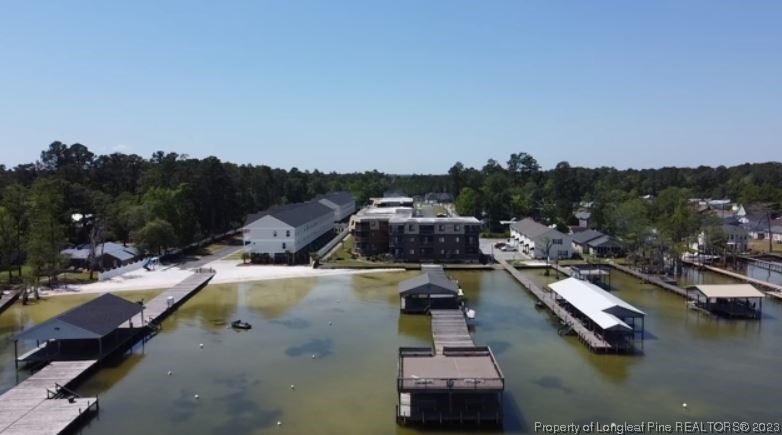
(343, 204)
(583, 217)
(592, 242)
(287, 234)
(728, 300)
(434, 239)
(540, 241)
(432, 290)
(609, 317)
(109, 255)
(370, 231)
(438, 198)
(736, 239)
(393, 201)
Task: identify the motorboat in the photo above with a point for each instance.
(238, 324)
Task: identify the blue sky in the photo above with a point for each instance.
(400, 86)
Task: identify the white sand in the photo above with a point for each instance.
(227, 272)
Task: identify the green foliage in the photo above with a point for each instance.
(47, 227)
(468, 203)
(155, 236)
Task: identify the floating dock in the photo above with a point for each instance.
(592, 340)
(43, 405)
(652, 280)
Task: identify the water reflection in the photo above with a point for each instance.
(272, 299)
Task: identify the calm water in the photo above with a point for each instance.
(725, 370)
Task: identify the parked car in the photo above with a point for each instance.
(499, 244)
(508, 248)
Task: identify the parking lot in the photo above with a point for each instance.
(487, 247)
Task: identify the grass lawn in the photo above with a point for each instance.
(68, 277)
(762, 246)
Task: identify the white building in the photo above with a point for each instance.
(736, 239)
(291, 229)
(540, 241)
(343, 204)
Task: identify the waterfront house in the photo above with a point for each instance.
(593, 242)
(343, 204)
(736, 239)
(434, 239)
(540, 241)
(108, 255)
(287, 234)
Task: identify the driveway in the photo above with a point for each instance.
(487, 247)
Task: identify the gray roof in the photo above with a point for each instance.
(91, 320)
(530, 228)
(116, 250)
(340, 198)
(432, 281)
(295, 214)
(582, 237)
(604, 242)
(584, 215)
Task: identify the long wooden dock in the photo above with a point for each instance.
(159, 307)
(39, 405)
(449, 328)
(773, 266)
(8, 299)
(759, 282)
(588, 337)
(651, 279)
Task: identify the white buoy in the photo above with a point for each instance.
(293, 387)
(195, 396)
(331, 323)
(279, 423)
(201, 345)
(313, 356)
(684, 405)
(170, 372)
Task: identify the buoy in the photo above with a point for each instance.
(195, 396)
(293, 387)
(331, 323)
(314, 356)
(170, 372)
(684, 405)
(279, 423)
(201, 345)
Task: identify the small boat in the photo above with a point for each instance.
(470, 313)
(238, 324)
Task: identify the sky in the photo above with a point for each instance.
(400, 86)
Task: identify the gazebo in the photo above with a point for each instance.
(431, 290)
(729, 300)
(89, 331)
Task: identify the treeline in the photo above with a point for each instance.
(73, 196)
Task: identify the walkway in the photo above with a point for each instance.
(588, 337)
(739, 276)
(36, 406)
(8, 299)
(650, 279)
(449, 328)
(158, 308)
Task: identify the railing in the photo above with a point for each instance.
(406, 384)
(204, 270)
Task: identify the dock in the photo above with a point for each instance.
(8, 299)
(651, 279)
(43, 405)
(592, 340)
(449, 328)
(159, 307)
(758, 282)
(773, 266)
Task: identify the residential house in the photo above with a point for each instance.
(438, 198)
(592, 242)
(737, 239)
(583, 217)
(434, 239)
(288, 233)
(540, 241)
(343, 204)
(109, 255)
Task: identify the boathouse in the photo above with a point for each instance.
(609, 317)
(429, 291)
(728, 300)
(90, 331)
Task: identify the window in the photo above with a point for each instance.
(412, 252)
(275, 233)
(411, 227)
(442, 251)
(442, 227)
(287, 233)
(457, 239)
(441, 239)
(283, 245)
(457, 227)
(456, 252)
(412, 239)
(556, 242)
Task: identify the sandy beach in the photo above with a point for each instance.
(227, 272)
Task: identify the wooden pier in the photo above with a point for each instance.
(773, 266)
(776, 288)
(42, 404)
(159, 307)
(449, 328)
(8, 299)
(651, 279)
(596, 343)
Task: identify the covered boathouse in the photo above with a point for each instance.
(609, 317)
(728, 300)
(432, 290)
(90, 331)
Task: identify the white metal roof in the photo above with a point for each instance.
(729, 291)
(599, 305)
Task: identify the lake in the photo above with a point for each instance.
(723, 370)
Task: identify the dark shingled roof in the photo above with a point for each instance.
(432, 281)
(530, 228)
(295, 214)
(585, 236)
(94, 319)
(339, 198)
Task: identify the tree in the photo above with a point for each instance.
(522, 167)
(456, 174)
(47, 230)
(155, 237)
(468, 203)
(15, 203)
(7, 240)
